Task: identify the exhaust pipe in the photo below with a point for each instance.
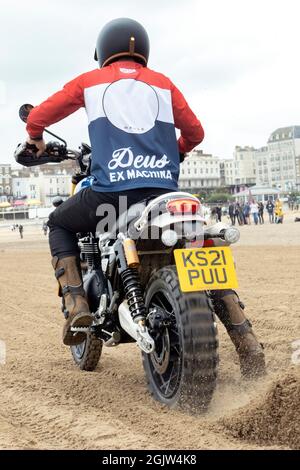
(138, 332)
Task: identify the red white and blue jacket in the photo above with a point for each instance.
(132, 113)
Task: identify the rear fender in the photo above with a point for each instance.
(184, 225)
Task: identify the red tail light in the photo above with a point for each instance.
(183, 206)
(208, 243)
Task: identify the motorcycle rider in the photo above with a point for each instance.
(133, 112)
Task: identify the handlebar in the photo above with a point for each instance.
(56, 152)
(25, 154)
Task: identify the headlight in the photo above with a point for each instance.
(169, 237)
(232, 235)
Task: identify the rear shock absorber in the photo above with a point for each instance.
(134, 294)
(128, 261)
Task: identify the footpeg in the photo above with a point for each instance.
(80, 329)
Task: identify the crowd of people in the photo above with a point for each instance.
(252, 212)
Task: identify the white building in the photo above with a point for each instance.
(245, 169)
(54, 185)
(275, 165)
(284, 158)
(26, 186)
(297, 160)
(43, 187)
(228, 172)
(263, 168)
(239, 172)
(199, 171)
(5, 181)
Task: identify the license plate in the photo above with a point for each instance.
(205, 269)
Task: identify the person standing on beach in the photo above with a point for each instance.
(237, 213)
(219, 213)
(278, 212)
(270, 209)
(261, 213)
(231, 211)
(254, 211)
(246, 212)
(21, 229)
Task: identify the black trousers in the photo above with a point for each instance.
(79, 214)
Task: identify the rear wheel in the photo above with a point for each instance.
(87, 354)
(182, 371)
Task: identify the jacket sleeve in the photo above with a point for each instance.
(192, 132)
(56, 108)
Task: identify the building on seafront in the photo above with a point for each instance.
(274, 165)
(200, 172)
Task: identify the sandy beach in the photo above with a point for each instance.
(47, 403)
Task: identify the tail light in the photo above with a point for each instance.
(183, 206)
(208, 243)
(201, 243)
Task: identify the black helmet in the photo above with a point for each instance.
(122, 37)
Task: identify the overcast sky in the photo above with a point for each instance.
(237, 62)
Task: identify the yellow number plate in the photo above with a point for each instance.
(205, 269)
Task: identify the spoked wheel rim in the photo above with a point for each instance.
(166, 361)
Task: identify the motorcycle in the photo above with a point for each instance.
(148, 281)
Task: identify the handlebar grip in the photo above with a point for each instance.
(25, 154)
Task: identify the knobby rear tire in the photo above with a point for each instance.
(195, 319)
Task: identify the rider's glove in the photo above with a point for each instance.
(39, 143)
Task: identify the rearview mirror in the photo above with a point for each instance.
(24, 111)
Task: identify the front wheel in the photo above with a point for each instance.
(182, 371)
(86, 355)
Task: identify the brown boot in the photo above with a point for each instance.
(250, 351)
(76, 309)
